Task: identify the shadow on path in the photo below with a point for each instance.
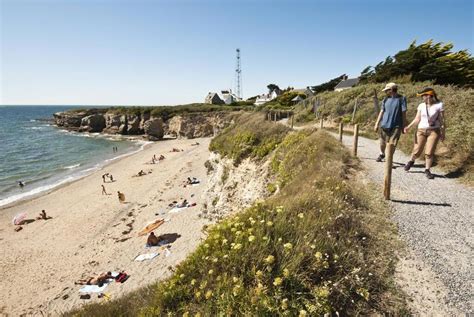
(424, 203)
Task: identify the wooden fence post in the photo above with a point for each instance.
(321, 124)
(356, 139)
(292, 115)
(341, 128)
(387, 182)
(355, 109)
(376, 102)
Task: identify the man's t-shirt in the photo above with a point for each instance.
(392, 116)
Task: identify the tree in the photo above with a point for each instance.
(272, 87)
(427, 61)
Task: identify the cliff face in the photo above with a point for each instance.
(230, 188)
(194, 125)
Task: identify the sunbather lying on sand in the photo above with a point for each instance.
(176, 150)
(184, 203)
(98, 280)
(192, 181)
(161, 158)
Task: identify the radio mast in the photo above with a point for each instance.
(238, 76)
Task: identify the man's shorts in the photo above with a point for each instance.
(390, 136)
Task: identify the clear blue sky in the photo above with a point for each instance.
(173, 52)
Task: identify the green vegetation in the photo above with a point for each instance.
(251, 136)
(284, 100)
(428, 61)
(321, 245)
(455, 154)
(167, 112)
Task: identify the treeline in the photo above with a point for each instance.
(429, 61)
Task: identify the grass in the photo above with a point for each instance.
(251, 136)
(455, 155)
(322, 244)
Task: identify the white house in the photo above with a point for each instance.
(261, 99)
(224, 97)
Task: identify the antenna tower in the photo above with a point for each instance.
(238, 76)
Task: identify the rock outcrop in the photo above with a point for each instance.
(188, 125)
(92, 123)
(153, 129)
(199, 125)
(233, 188)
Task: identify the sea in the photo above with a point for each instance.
(42, 156)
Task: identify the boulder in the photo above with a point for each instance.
(115, 123)
(153, 129)
(68, 119)
(93, 123)
(133, 124)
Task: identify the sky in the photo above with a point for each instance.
(104, 52)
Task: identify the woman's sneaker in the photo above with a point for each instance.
(380, 158)
(429, 175)
(408, 165)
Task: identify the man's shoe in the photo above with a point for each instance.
(429, 175)
(380, 158)
(408, 165)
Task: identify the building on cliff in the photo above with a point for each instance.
(346, 83)
(223, 97)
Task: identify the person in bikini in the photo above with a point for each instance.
(98, 280)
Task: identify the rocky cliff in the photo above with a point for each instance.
(233, 188)
(187, 125)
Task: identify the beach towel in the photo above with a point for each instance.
(93, 288)
(150, 227)
(177, 209)
(146, 256)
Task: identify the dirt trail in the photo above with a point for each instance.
(436, 220)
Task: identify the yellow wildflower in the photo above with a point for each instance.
(303, 313)
(270, 259)
(182, 276)
(269, 223)
(259, 273)
(238, 246)
(301, 215)
(251, 238)
(284, 304)
(286, 272)
(318, 255)
(208, 294)
(193, 282)
(277, 281)
(288, 246)
(235, 279)
(210, 272)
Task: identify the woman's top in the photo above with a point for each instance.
(430, 115)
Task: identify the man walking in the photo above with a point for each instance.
(392, 118)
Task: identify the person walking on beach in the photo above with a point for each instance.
(104, 192)
(431, 128)
(111, 178)
(391, 119)
(103, 178)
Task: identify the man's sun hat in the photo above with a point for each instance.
(389, 86)
(427, 91)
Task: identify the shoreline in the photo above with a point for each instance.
(71, 178)
(91, 233)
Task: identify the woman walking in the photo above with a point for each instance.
(431, 128)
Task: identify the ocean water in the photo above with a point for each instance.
(42, 156)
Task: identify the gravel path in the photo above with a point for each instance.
(436, 220)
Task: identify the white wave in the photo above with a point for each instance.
(32, 120)
(72, 166)
(35, 128)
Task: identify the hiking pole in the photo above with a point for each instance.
(387, 182)
(356, 139)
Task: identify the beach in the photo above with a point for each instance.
(90, 233)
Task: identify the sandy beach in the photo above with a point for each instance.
(90, 233)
